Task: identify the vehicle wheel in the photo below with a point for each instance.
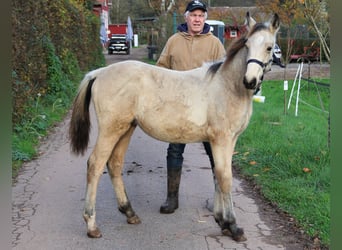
(110, 52)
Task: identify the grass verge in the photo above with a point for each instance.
(288, 156)
(40, 117)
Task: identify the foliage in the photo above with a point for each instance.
(141, 15)
(55, 42)
(231, 3)
(134, 8)
(288, 10)
(40, 26)
(313, 13)
(316, 12)
(289, 156)
(162, 7)
(40, 114)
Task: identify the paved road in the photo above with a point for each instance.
(48, 199)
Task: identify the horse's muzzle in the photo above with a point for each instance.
(250, 84)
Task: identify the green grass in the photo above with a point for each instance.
(288, 155)
(40, 117)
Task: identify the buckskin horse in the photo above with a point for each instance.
(212, 103)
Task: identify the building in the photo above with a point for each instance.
(101, 8)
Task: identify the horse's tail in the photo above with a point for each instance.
(80, 121)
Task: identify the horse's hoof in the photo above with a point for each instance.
(226, 232)
(133, 220)
(237, 236)
(94, 233)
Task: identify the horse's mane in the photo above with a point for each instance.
(235, 47)
(238, 44)
(214, 68)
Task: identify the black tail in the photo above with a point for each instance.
(80, 121)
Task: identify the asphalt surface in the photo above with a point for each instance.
(48, 200)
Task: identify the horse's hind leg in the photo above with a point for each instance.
(96, 164)
(115, 166)
(223, 204)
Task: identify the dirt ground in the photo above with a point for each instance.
(312, 70)
(288, 229)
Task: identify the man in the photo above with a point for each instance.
(189, 48)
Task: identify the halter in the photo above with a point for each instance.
(263, 66)
(260, 63)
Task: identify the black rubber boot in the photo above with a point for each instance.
(173, 180)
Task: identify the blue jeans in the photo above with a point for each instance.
(175, 158)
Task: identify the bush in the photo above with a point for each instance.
(54, 43)
(45, 32)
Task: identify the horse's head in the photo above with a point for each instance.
(260, 42)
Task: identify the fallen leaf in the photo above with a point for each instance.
(306, 170)
(252, 162)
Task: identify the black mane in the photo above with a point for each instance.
(235, 47)
(238, 44)
(214, 68)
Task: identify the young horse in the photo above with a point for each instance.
(212, 103)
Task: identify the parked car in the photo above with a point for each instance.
(277, 56)
(118, 43)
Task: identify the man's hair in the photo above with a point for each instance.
(186, 14)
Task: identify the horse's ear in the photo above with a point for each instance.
(275, 23)
(249, 22)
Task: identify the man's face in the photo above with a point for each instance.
(195, 21)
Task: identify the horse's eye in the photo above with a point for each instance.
(269, 49)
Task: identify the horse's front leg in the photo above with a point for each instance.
(223, 203)
(115, 166)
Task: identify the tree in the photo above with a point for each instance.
(288, 11)
(121, 9)
(163, 10)
(312, 12)
(316, 12)
(162, 7)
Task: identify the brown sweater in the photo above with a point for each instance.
(184, 52)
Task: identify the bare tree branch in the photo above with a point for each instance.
(315, 11)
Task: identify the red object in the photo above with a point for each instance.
(234, 31)
(117, 29)
(310, 54)
(100, 6)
